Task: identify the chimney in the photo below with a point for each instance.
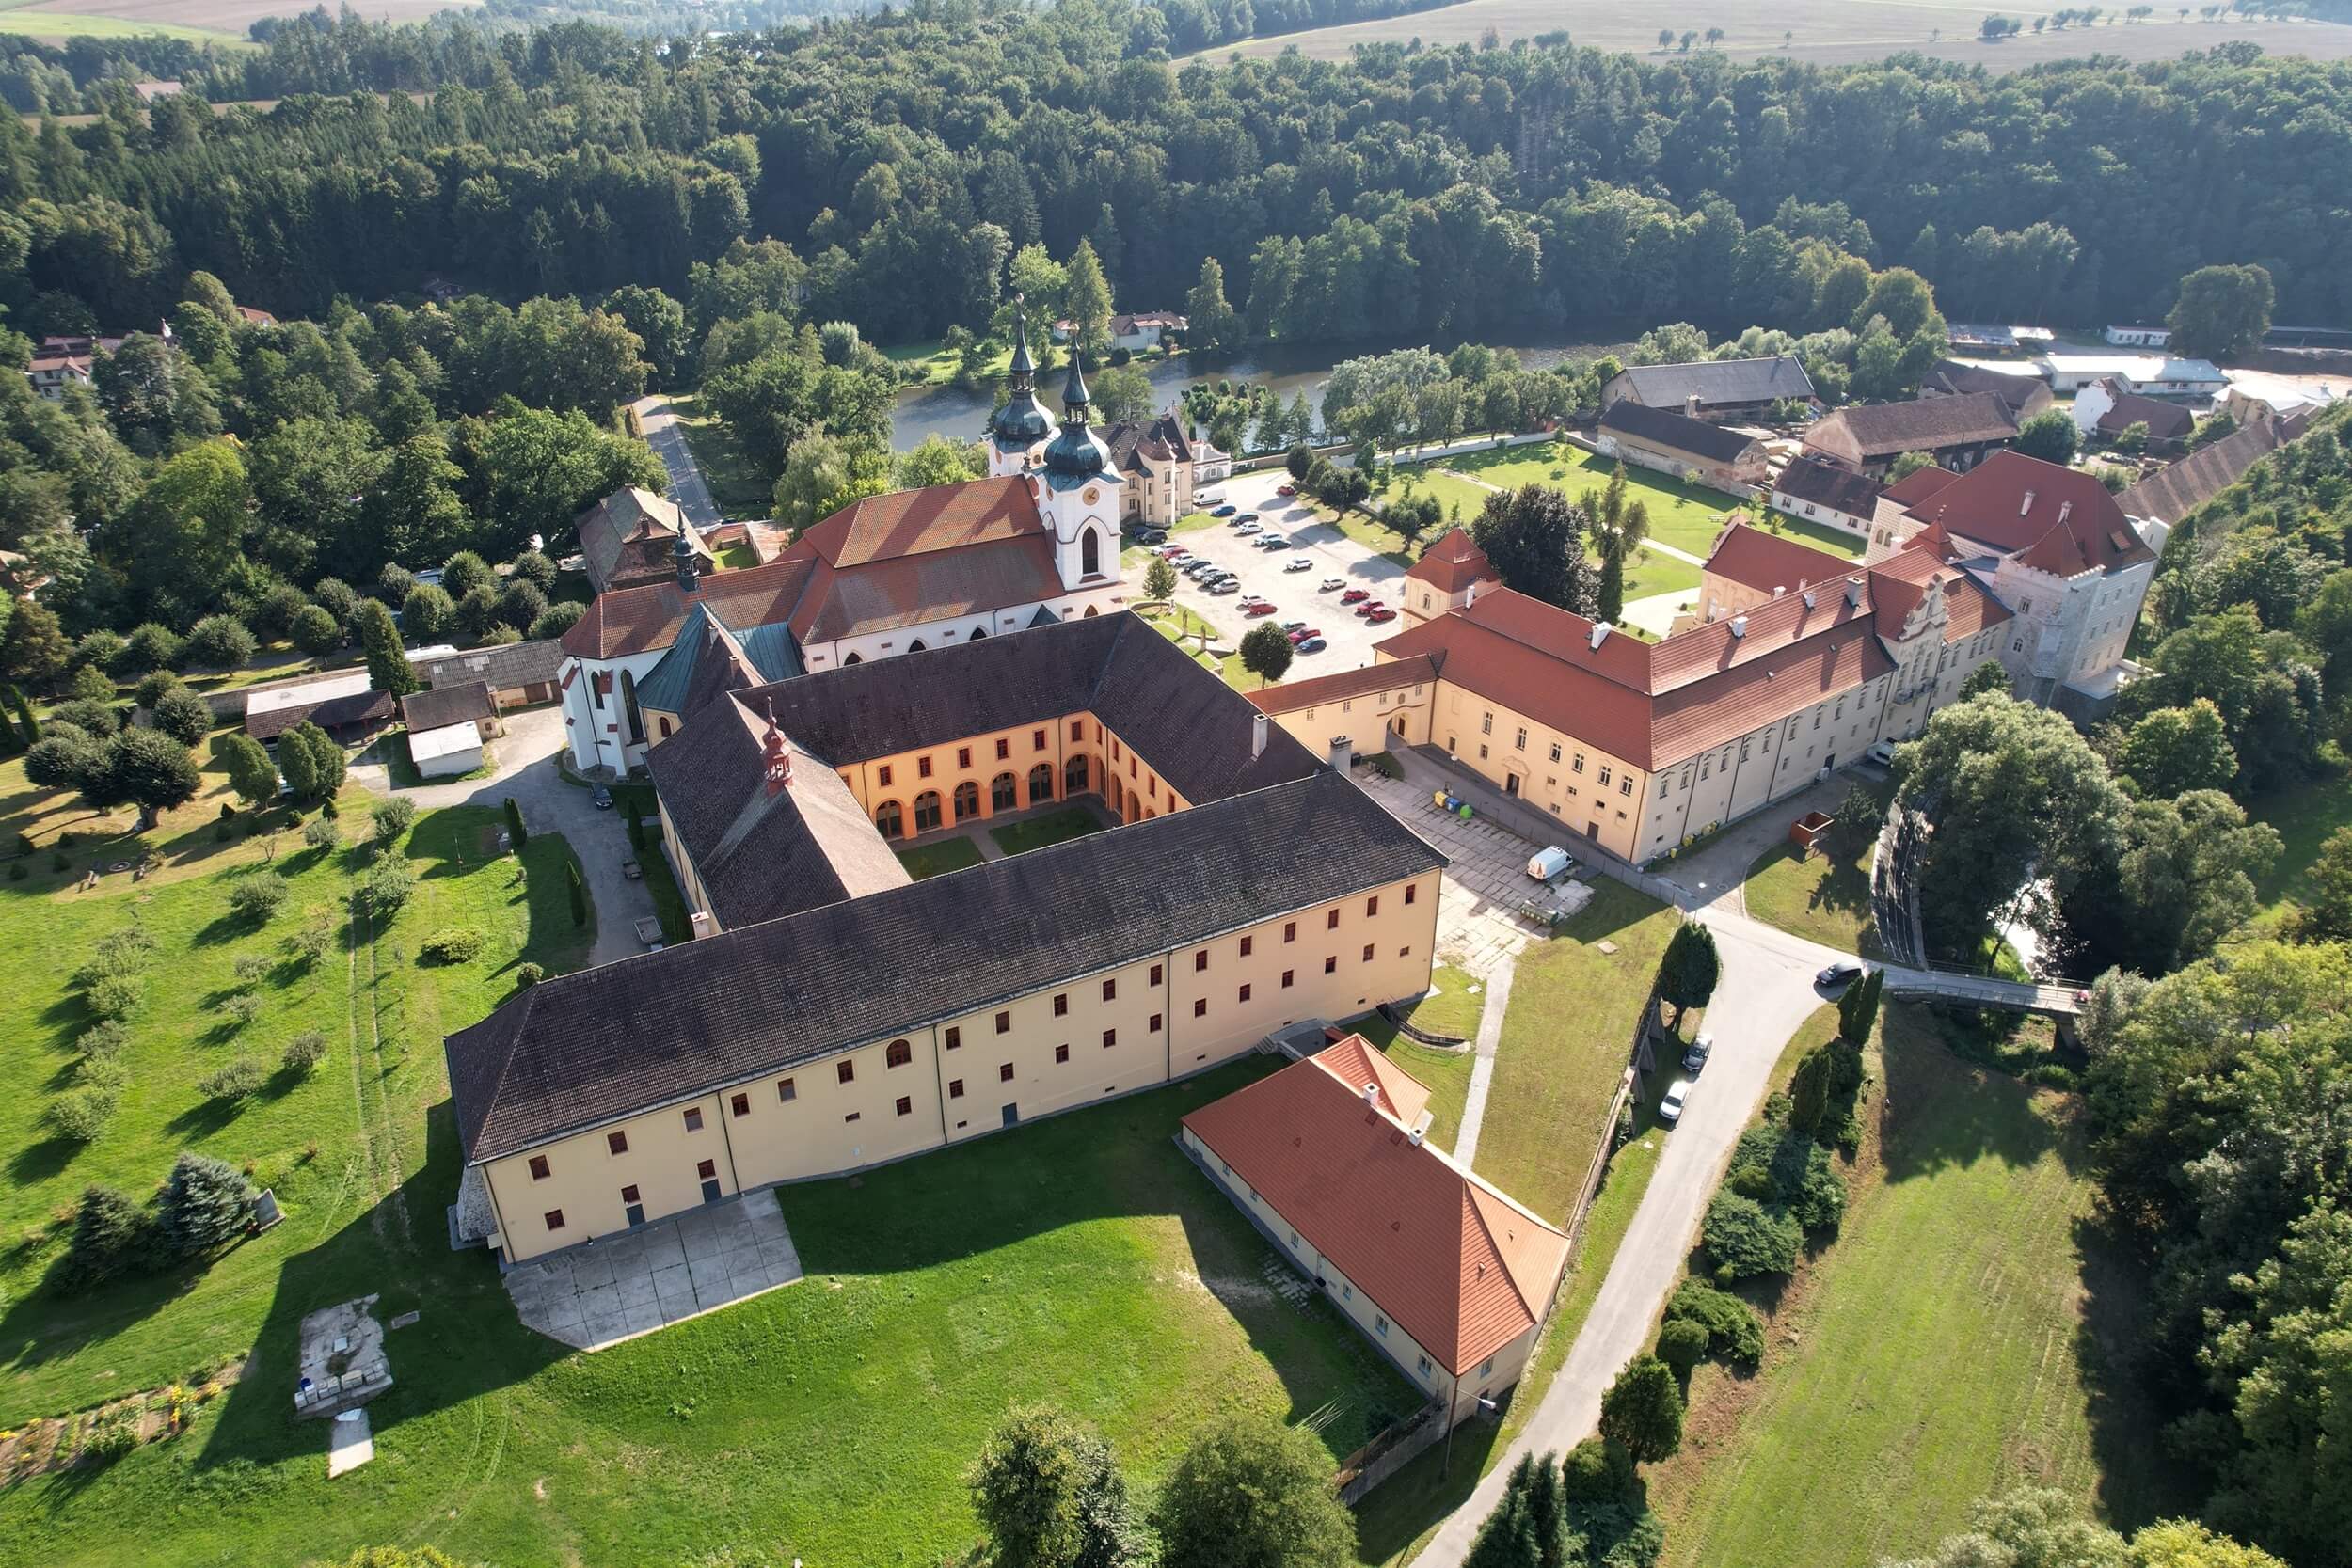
(1343, 753)
(1599, 632)
(1853, 593)
(1469, 595)
(1778, 589)
(1808, 598)
(1413, 1138)
(682, 554)
(2027, 505)
(2065, 509)
(1739, 625)
(1257, 736)
(1372, 1094)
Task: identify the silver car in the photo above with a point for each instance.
(1670, 1108)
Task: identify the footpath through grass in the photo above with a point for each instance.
(1947, 1343)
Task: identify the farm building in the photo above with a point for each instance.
(447, 726)
(342, 704)
(1712, 388)
(1819, 489)
(1686, 447)
(517, 674)
(1955, 431)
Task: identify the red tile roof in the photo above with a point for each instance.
(1290, 696)
(2055, 519)
(1452, 563)
(912, 522)
(1759, 559)
(1919, 485)
(623, 621)
(1355, 1062)
(1452, 1263)
(1899, 583)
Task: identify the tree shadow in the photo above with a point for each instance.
(205, 1117)
(2139, 1479)
(42, 1160)
(1938, 1111)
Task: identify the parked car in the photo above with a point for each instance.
(1368, 606)
(1838, 976)
(1155, 536)
(1301, 635)
(1225, 511)
(1313, 645)
(1247, 529)
(1381, 613)
(1293, 625)
(1286, 489)
(1330, 585)
(1211, 497)
(1225, 585)
(1174, 552)
(1246, 518)
(1882, 753)
(1255, 608)
(1298, 564)
(603, 797)
(1355, 595)
(1670, 1108)
(1694, 1058)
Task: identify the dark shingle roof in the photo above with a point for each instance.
(1664, 427)
(581, 1049)
(1924, 424)
(1809, 479)
(359, 707)
(1719, 381)
(447, 705)
(2175, 491)
(505, 665)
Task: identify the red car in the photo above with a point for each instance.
(1370, 606)
(1170, 553)
(1355, 595)
(1257, 606)
(1379, 615)
(1302, 634)
(1286, 489)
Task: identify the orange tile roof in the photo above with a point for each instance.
(2053, 519)
(1760, 559)
(622, 621)
(1290, 696)
(1452, 1263)
(911, 522)
(1452, 563)
(1899, 583)
(884, 593)
(1357, 1063)
(1919, 485)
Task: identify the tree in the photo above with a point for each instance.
(64, 759)
(1211, 323)
(2325, 914)
(109, 1233)
(150, 646)
(2184, 876)
(1159, 580)
(2175, 750)
(388, 664)
(1529, 1527)
(1858, 1007)
(1988, 676)
(1122, 394)
(145, 768)
(1087, 301)
(220, 642)
(1641, 1412)
(181, 714)
(936, 461)
(519, 606)
(1535, 540)
(517, 834)
(463, 572)
(1688, 972)
(826, 473)
(1265, 652)
(1049, 1495)
(204, 1202)
(2222, 312)
(2050, 435)
(315, 631)
(1252, 1493)
(35, 652)
(579, 894)
(1300, 459)
(311, 762)
(389, 819)
(1909, 463)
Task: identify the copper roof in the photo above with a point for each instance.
(1459, 1267)
(1452, 563)
(2053, 519)
(1290, 696)
(1759, 559)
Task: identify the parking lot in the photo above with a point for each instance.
(1294, 595)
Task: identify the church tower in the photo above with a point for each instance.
(1015, 430)
(1078, 492)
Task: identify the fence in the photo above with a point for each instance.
(1398, 1446)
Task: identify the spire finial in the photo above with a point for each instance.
(1023, 366)
(771, 746)
(682, 557)
(1073, 391)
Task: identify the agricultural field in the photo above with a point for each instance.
(1819, 32)
(1947, 1343)
(216, 21)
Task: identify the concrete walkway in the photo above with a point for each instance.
(1498, 1000)
(604, 1293)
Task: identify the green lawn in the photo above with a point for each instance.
(1080, 1259)
(1821, 897)
(1446, 1073)
(735, 558)
(1036, 833)
(2305, 817)
(932, 860)
(57, 27)
(1687, 517)
(1565, 1040)
(1945, 1346)
(1186, 628)
(1463, 500)
(1656, 572)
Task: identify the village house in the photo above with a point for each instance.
(1955, 431)
(630, 537)
(1449, 1279)
(343, 705)
(1749, 566)
(2105, 409)
(52, 373)
(1675, 444)
(518, 674)
(2019, 389)
(2154, 375)
(1718, 389)
(843, 1016)
(1821, 491)
(1134, 331)
(2139, 336)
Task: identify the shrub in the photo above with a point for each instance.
(312, 940)
(387, 887)
(241, 1010)
(392, 818)
(96, 719)
(90, 685)
(320, 834)
(149, 647)
(82, 1113)
(558, 619)
(529, 975)
(109, 1440)
(250, 967)
(1681, 1343)
(218, 643)
(455, 944)
(204, 1202)
(182, 716)
(103, 648)
(305, 1052)
(534, 569)
(124, 950)
(1643, 1410)
(150, 688)
(315, 630)
(103, 1041)
(233, 1080)
(259, 897)
(109, 1231)
(1746, 1238)
(116, 997)
(1596, 1472)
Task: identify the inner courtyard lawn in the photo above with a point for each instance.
(1946, 1345)
(1036, 833)
(932, 860)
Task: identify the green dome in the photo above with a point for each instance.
(1022, 421)
(1077, 452)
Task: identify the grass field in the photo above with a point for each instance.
(1186, 628)
(1822, 897)
(2305, 817)
(932, 859)
(1036, 833)
(1820, 32)
(201, 21)
(1946, 1344)
(1454, 1010)
(937, 367)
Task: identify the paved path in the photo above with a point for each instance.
(668, 439)
(611, 1291)
(1498, 1000)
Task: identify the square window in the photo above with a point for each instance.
(707, 1169)
(693, 1119)
(628, 1195)
(1424, 1366)
(1004, 1073)
(1372, 905)
(1110, 1037)
(1405, 952)
(741, 1104)
(1288, 976)
(1155, 975)
(906, 1105)
(1077, 730)
(955, 1088)
(786, 1091)
(1290, 930)
(1110, 990)
(616, 1143)
(1153, 1027)
(1331, 965)
(1245, 994)
(1410, 888)
(555, 1219)
(1201, 960)
(1062, 1004)
(881, 775)
(1331, 920)
(538, 1167)
(1061, 1053)
(955, 1038)
(845, 1070)
(1004, 1023)
(1037, 740)
(1199, 1006)
(1245, 946)
(923, 768)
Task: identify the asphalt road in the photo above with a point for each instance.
(668, 439)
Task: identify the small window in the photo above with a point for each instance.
(1201, 960)
(1486, 1367)
(955, 1038)
(1245, 994)
(1004, 1073)
(555, 1219)
(1077, 730)
(1290, 930)
(693, 1119)
(1003, 749)
(1604, 778)
(906, 1105)
(853, 1115)
(616, 1143)
(845, 1070)
(1424, 1366)
(1246, 944)
(955, 1088)
(963, 756)
(1410, 888)
(1331, 920)
(923, 768)
(1061, 1053)
(1037, 740)
(786, 1091)
(1153, 1027)
(538, 1167)
(628, 1195)
(741, 1104)
(1110, 990)
(1520, 744)
(1004, 1023)
(1199, 1006)
(1367, 952)
(1110, 1037)
(1331, 965)
(1155, 975)
(1482, 751)
(1372, 905)
(881, 775)
(707, 1169)
(1062, 1004)
(1380, 1325)
(1555, 750)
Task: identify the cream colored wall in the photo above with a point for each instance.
(775, 1140)
(1141, 793)
(1730, 779)
(1363, 718)
(1459, 723)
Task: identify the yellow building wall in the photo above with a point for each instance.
(1366, 719)
(1514, 752)
(584, 1178)
(1131, 789)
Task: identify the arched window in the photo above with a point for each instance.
(1040, 783)
(900, 1053)
(1113, 792)
(1074, 775)
(1004, 794)
(927, 811)
(853, 659)
(979, 632)
(915, 646)
(1089, 554)
(629, 706)
(890, 821)
(1090, 614)
(967, 800)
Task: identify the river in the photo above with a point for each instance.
(961, 416)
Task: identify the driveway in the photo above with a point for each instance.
(668, 439)
(603, 1292)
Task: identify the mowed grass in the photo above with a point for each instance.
(1036, 833)
(1944, 1347)
(1454, 1009)
(1687, 517)
(932, 860)
(1823, 898)
(1566, 1039)
(2305, 817)
(335, 1144)
(68, 25)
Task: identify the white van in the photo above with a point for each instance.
(1203, 500)
(1544, 864)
